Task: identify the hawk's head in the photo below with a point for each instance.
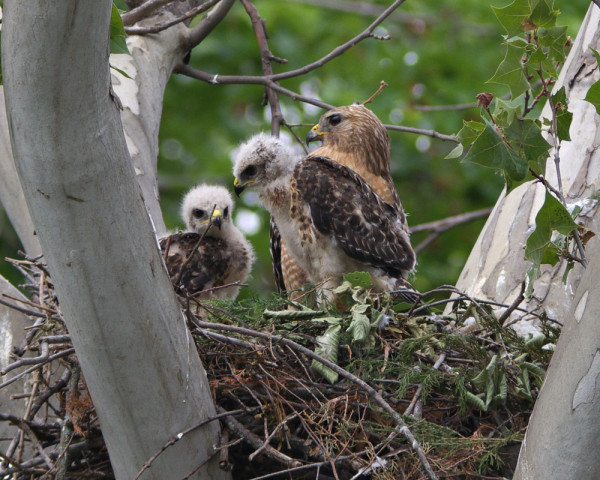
(356, 131)
(208, 205)
(261, 161)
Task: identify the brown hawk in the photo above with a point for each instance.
(352, 136)
(220, 254)
(331, 220)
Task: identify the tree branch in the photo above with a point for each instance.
(260, 30)
(143, 11)
(217, 79)
(163, 26)
(207, 24)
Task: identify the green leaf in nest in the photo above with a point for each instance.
(360, 327)
(359, 279)
(328, 344)
(490, 150)
(117, 32)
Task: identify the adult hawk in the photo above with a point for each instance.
(212, 252)
(331, 220)
(352, 136)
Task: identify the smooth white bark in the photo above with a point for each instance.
(563, 435)
(141, 366)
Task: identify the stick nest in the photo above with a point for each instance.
(380, 390)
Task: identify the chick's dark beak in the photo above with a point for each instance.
(238, 189)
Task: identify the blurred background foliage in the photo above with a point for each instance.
(440, 53)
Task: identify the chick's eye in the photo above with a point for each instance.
(335, 119)
(226, 212)
(249, 171)
(198, 213)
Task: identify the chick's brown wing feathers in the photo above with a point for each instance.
(208, 267)
(343, 206)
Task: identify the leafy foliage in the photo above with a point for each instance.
(510, 139)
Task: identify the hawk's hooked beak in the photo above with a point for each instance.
(217, 218)
(314, 134)
(239, 187)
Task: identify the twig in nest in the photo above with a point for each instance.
(237, 427)
(180, 435)
(512, 306)
(376, 396)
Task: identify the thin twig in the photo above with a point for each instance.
(64, 353)
(207, 24)
(237, 427)
(336, 52)
(417, 394)
(376, 396)
(517, 301)
(175, 438)
(260, 31)
(382, 85)
(143, 11)
(159, 27)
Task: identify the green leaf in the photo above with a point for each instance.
(490, 150)
(563, 116)
(360, 327)
(553, 216)
(543, 14)
(117, 33)
(466, 136)
(502, 389)
(535, 369)
(505, 110)
(553, 40)
(537, 342)
(359, 279)
(328, 344)
(593, 94)
(526, 136)
(511, 71)
(513, 16)
(475, 401)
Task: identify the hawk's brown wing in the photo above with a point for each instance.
(343, 206)
(209, 266)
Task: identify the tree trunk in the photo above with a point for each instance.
(140, 364)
